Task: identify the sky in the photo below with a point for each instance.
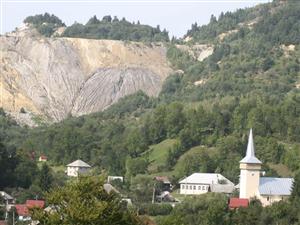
(174, 15)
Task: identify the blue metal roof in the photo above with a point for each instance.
(275, 186)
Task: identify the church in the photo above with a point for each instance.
(252, 185)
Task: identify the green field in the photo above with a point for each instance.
(157, 154)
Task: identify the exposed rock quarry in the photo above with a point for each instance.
(54, 77)
(198, 51)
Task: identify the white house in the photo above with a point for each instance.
(252, 185)
(77, 167)
(201, 183)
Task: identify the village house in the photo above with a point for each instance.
(201, 183)
(112, 178)
(23, 209)
(9, 202)
(77, 167)
(43, 158)
(166, 184)
(267, 189)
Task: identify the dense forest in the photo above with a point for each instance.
(250, 81)
(107, 28)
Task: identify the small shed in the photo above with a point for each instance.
(77, 167)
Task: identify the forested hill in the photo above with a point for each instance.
(106, 28)
(256, 51)
(250, 80)
(200, 121)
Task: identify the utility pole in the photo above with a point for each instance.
(153, 194)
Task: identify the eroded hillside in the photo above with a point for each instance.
(54, 77)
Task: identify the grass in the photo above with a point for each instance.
(157, 154)
(194, 151)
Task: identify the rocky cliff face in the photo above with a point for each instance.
(54, 77)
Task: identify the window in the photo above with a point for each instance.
(182, 186)
(199, 187)
(268, 198)
(203, 188)
(191, 187)
(194, 187)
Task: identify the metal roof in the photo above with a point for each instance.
(6, 196)
(250, 155)
(222, 188)
(79, 163)
(205, 178)
(275, 186)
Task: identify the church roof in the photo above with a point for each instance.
(250, 155)
(79, 163)
(275, 186)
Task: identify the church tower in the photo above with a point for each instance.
(250, 168)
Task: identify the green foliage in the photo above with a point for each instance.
(115, 29)
(45, 24)
(16, 169)
(84, 201)
(142, 188)
(45, 178)
(205, 209)
(155, 209)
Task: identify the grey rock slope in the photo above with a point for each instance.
(54, 77)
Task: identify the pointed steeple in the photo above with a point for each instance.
(250, 155)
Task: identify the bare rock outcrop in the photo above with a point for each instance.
(54, 77)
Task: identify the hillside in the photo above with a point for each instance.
(55, 77)
(139, 110)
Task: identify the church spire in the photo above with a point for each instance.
(250, 154)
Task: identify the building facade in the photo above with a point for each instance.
(77, 167)
(267, 189)
(201, 183)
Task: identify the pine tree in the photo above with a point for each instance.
(45, 178)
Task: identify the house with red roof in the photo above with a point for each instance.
(23, 209)
(235, 203)
(43, 158)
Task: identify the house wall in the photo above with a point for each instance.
(249, 180)
(194, 189)
(270, 199)
(73, 171)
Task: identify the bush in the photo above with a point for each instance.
(155, 209)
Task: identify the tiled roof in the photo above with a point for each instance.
(79, 163)
(238, 202)
(275, 186)
(22, 210)
(35, 203)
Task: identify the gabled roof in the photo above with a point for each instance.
(79, 163)
(238, 203)
(35, 203)
(6, 196)
(205, 178)
(222, 188)
(109, 188)
(163, 179)
(250, 155)
(275, 186)
(22, 210)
